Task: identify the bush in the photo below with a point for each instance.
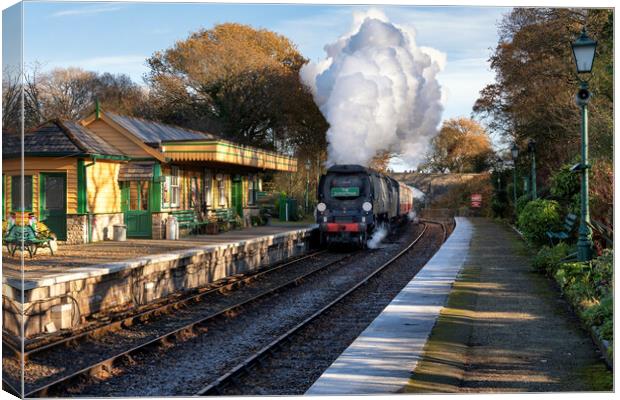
(521, 203)
(536, 218)
(602, 273)
(601, 315)
(548, 259)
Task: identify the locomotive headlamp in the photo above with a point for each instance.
(321, 207)
(366, 206)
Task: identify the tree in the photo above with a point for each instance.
(462, 145)
(11, 102)
(534, 91)
(239, 82)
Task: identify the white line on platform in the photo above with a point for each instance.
(383, 357)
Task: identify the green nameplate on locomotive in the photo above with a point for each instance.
(345, 192)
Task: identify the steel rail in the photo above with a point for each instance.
(157, 308)
(214, 386)
(108, 362)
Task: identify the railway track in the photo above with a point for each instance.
(52, 341)
(259, 357)
(61, 383)
(107, 363)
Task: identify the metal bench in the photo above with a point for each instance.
(568, 225)
(25, 238)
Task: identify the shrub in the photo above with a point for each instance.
(548, 259)
(601, 315)
(521, 203)
(602, 273)
(564, 184)
(537, 217)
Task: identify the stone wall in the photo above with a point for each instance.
(76, 229)
(102, 225)
(104, 288)
(158, 225)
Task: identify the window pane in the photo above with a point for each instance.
(208, 189)
(144, 196)
(54, 193)
(133, 195)
(16, 193)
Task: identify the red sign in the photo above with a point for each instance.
(476, 200)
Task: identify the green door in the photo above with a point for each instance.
(237, 195)
(135, 205)
(53, 203)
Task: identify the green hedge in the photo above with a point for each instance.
(586, 285)
(536, 218)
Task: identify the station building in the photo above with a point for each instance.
(82, 178)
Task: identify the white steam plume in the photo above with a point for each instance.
(377, 236)
(378, 90)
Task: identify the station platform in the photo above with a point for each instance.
(104, 276)
(381, 359)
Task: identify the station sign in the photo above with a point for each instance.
(476, 200)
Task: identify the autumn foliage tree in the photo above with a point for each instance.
(462, 145)
(533, 95)
(239, 82)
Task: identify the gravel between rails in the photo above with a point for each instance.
(43, 368)
(186, 366)
(296, 365)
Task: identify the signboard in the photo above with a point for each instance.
(476, 200)
(345, 192)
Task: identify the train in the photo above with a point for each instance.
(354, 200)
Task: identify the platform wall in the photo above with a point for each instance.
(119, 286)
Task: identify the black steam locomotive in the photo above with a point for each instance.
(354, 200)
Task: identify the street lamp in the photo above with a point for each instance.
(515, 154)
(307, 183)
(584, 51)
(531, 147)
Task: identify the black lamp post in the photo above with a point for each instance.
(531, 147)
(584, 52)
(515, 154)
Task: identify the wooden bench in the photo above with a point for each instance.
(225, 216)
(187, 219)
(32, 240)
(569, 224)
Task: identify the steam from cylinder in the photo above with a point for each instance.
(379, 92)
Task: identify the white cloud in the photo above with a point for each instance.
(86, 11)
(132, 65)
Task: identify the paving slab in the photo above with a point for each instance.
(381, 359)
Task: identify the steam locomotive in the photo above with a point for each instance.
(354, 201)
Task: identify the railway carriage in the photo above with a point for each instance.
(354, 201)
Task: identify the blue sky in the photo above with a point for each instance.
(117, 37)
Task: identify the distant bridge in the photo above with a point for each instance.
(434, 185)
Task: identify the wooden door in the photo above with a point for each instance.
(135, 204)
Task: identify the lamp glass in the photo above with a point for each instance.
(584, 50)
(515, 152)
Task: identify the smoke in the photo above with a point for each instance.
(377, 236)
(412, 216)
(378, 90)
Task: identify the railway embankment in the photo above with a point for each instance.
(506, 328)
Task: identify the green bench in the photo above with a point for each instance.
(567, 228)
(187, 219)
(25, 237)
(225, 216)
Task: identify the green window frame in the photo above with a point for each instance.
(16, 184)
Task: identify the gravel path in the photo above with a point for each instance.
(181, 369)
(506, 328)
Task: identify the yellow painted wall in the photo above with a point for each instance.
(116, 139)
(104, 192)
(35, 165)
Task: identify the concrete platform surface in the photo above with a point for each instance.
(92, 259)
(381, 359)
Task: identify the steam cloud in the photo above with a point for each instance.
(378, 91)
